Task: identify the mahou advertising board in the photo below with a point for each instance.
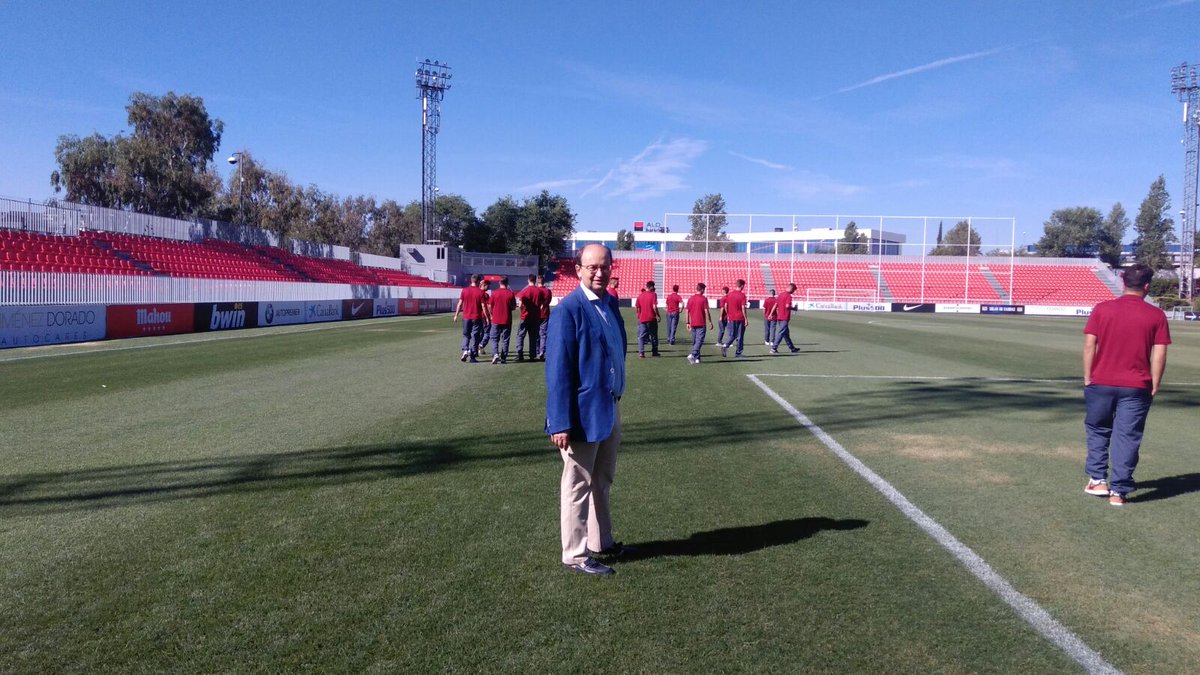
(126, 321)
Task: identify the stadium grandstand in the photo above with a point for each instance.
(65, 253)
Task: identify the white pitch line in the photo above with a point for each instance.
(1027, 609)
(947, 378)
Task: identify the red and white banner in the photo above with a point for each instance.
(125, 321)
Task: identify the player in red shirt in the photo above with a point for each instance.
(612, 286)
(470, 304)
(735, 312)
(503, 302)
(545, 295)
(699, 320)
(1124, 357)
(487, 317)
(647, 314)
(674, 302)
(722, 319)
(768, 322)
(531, 319)
(783, 314)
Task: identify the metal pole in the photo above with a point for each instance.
(924, 245)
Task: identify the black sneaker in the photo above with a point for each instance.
(795, 350)
(617, 550)
(590, 567)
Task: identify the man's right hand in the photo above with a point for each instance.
(561, 440)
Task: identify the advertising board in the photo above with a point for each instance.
(824, 306)
(1057, 310)
(212, 316)
(914, 307)
(867, 307)
(387, 307)
(362, 308)
(1002, 309)
(31, 325)
(324, 310)
(280, 313)
(953, 308)
(126, 321)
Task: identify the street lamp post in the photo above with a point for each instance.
(236, 160)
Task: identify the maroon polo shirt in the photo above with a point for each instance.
(673, 303)
(1126, 331)
(697, 307)
(735, 306)
(472, 303)
(647, 301)
(783, 306)
(503, 301)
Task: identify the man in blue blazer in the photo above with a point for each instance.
(585, 378)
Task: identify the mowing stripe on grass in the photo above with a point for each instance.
(1027, 609)
(968, 378)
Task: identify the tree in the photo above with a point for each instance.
(393, 226)
(1071, 233)
(939, 237)
(542, 227)
(452, 217)
(1111, 234)
(624, 240)
(708, 223)
(853, 241)
(962, 240)
(163, 167)
(1154, 229)
(492, 231)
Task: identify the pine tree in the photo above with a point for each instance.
(1154, 229)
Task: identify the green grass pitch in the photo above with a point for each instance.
(352, 498)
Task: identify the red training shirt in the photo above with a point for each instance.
(503, 302)
(697, 309)
(673, 302)
(543, 302)
(646, 303)
(1126, 330)
(783, 307)
(768, 305)
(472, 303)
(528, 299)
(735, 306)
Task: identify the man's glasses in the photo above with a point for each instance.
(595, 268)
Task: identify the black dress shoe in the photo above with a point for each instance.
(590, 567)
(617, 550)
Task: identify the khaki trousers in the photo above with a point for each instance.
(588, 470)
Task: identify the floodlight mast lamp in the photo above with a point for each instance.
(1186, 84)
(433, 79)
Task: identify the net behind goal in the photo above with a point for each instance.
(841, 295)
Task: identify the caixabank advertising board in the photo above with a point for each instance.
(211, 316)
(127, 321)
(32, 325)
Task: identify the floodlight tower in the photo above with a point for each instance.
(1185, 84)
(433, 79)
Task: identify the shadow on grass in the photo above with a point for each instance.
(1165, 488)
(740, 540)
(424, 447)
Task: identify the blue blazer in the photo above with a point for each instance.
(579, 397)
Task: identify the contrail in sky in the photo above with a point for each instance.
(920, 69)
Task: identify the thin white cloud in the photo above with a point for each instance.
(763, 162)
(933, 65)
(808, 185)
(657, 170)
(553, 184)
(992, 167)
(1169, 4)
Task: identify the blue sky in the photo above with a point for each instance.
(634, 109)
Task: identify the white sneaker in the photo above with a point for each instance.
(691, 359)
(463, 358)
(1097, 487)
(495, 359)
